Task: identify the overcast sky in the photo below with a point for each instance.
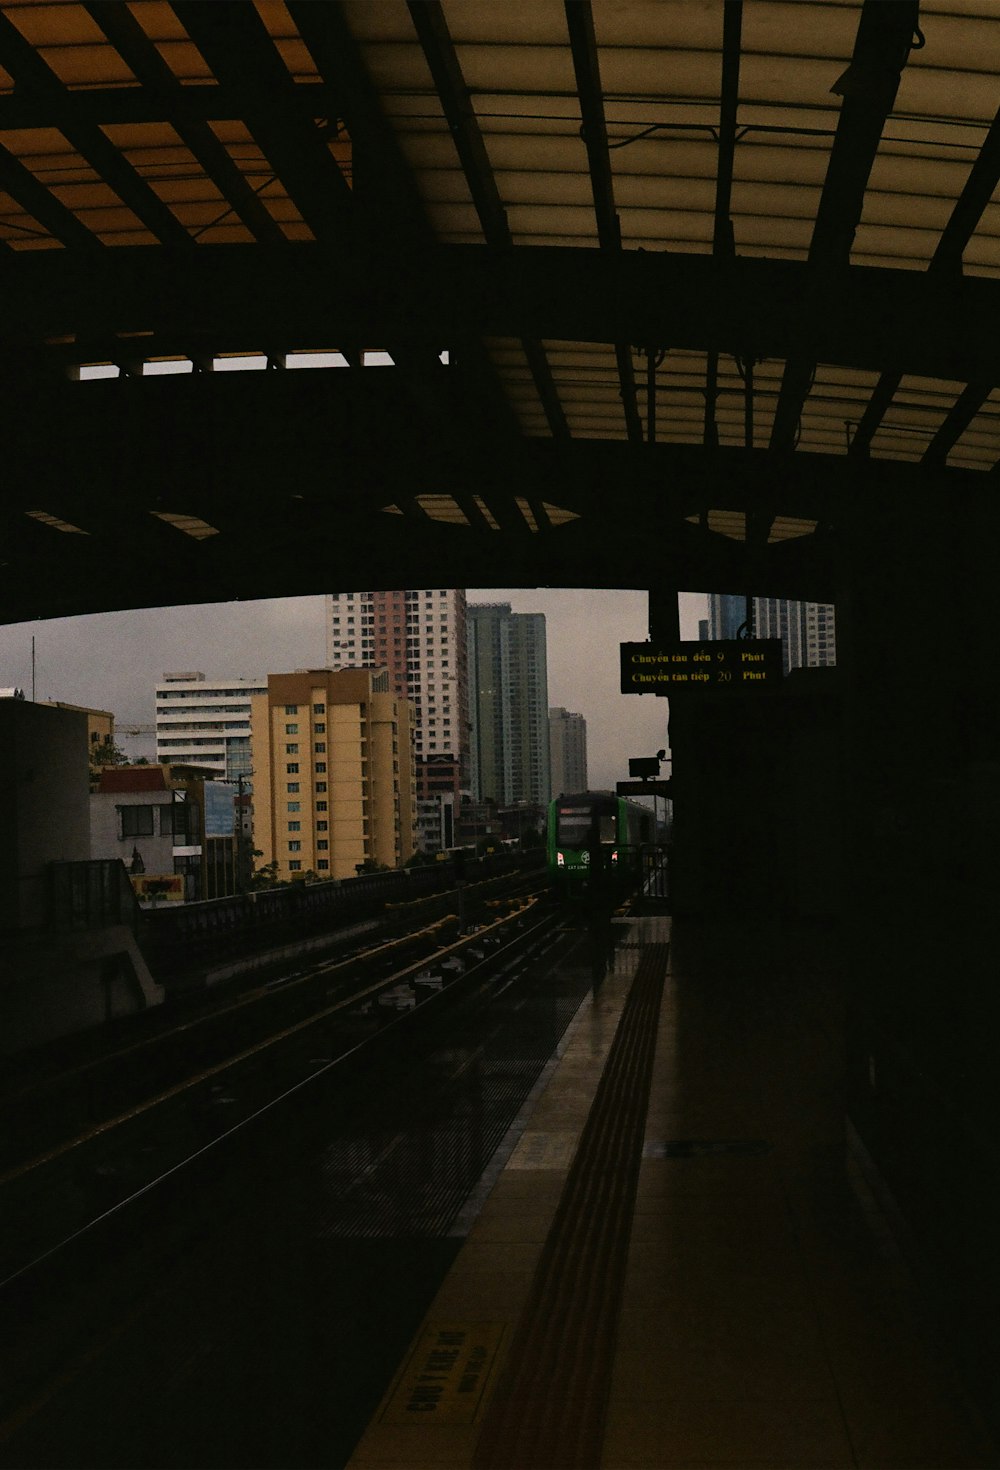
(113, 660)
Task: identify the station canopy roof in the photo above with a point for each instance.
(579, 292)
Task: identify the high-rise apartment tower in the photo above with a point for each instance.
(567, 751)
(420, 638)
(508, 701)
(807, 629)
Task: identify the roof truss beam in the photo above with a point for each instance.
(131, 42)
(723, 244)
(245, 298)
(96, 106)
(583, 44)
(955, 423)
(869, 85)
(31, 72)
(239, 51)
(976, 194)
(392, 219)
(442, 60)
(43, 206)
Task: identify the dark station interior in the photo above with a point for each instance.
(839, 347)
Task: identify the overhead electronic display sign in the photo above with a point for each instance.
(680, 668)
(644, 788)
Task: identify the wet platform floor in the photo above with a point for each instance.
(761, 1313)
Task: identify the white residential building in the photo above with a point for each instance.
(205, 723)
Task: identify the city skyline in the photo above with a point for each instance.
(114, 660)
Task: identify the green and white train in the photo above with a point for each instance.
(577, 821)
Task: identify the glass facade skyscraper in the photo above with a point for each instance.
(508, 705)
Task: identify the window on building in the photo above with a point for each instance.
(295, 866)
(291, 709)
(321, 766)
(322, 826)
(295, 846)
(291, 729)
(291, 750)
(323, 863)
(321, 806)
(319, 709)
(295, 826)
(320, 747)
(320, 729)
(292, 786)
(137, 821)
(321, 786)
(295, 806)
(322, 844)
(292, 769)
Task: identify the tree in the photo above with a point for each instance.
(103, 755)
(107, 753)
(265, 877)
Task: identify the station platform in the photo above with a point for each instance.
(682, 1260)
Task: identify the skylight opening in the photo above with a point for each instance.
(527, 512)
(557, 515)
(164, 367)
(442, 508)
(87, 371)
(246, 362)
(191, 526)
(300, 359)
(486, 513)
(55, 522)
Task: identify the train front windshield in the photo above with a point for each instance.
(574, 826)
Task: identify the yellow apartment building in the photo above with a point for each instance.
(334, 780)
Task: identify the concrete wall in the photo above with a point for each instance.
(757, 801)
(917, 636)
(54, 985)
(106, 841)
(44, 756)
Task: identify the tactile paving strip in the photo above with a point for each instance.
(547, 1412)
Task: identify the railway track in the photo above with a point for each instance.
(78, 1088)
(127, 1122)
(325, 1180)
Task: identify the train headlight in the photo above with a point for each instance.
(614, 855)
(560, 860)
